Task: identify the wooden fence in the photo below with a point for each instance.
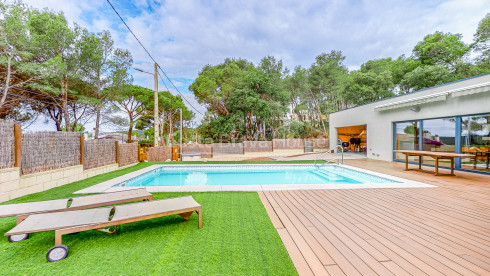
(288, 144)
(128, 154)
(7, 144)
(206, 150)
(257, 146)
(159, 153)
(98, 153)
(43, 151)
(227, 148)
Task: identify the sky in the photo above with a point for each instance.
(184, 36)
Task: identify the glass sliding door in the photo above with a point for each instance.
(439, 135)
(475, 140)
(406, 138)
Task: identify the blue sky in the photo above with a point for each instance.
(184, 36)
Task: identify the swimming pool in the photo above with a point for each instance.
(251, 175)
(209, 178)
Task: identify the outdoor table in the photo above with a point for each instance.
(433, 154)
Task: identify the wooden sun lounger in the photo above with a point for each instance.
(434, 154)
(96, 219)
(23, 210)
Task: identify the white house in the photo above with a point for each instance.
(454, 117)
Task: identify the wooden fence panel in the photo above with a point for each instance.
(7, 144)
(257, 146)
(159, 153)
(227, 148)
(99, 153)
(206, 150)
(42, 151)
(320, 143)
(288, 144)
(128, 154)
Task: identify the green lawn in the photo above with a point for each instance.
(237, 238)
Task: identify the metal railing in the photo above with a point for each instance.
(331, 160)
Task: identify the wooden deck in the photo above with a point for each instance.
(412, 231)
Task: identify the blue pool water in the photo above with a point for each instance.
(251, 175)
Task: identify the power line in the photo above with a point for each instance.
(151, 57)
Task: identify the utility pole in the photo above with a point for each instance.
(155, 109)
(180, 148)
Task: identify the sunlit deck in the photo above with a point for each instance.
(412, 231)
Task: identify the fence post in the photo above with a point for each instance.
(139, 155)
(117, 152)
(17, 145)
(82, 149)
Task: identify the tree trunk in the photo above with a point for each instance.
(64, 92)
(97, 121)
(130, 132)
(7, 82)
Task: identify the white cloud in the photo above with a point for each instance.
(184, 36)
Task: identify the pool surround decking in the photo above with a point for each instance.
(420, 231)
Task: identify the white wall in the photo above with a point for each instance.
(379, 123)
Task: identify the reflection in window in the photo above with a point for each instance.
(406, 138)
(475, 140)
(439, 135)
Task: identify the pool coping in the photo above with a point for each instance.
(107, 186)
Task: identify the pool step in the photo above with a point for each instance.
(328, 175)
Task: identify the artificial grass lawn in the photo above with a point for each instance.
(237, 238)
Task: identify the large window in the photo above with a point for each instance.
(475, 140)
(439, 135)
(406, 138)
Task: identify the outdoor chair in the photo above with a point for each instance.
(102, 219)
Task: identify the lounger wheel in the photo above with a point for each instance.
(57, 253)
(18, 238)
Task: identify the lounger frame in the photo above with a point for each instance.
(184, 213)
(23, 216)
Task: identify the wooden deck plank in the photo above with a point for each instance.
(296, 257)
(367, 225)
(334, 270)
(429, 247)
(352, 251)
(317, 248)
(270, 211)
(311, 258)
(422, 227)
(410, 231)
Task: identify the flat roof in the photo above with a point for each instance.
(413, 92)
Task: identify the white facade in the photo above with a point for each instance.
(465, 97)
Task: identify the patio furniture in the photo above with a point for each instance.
(23, 210)
(436, 155)
(476, 153)
(102, 219)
